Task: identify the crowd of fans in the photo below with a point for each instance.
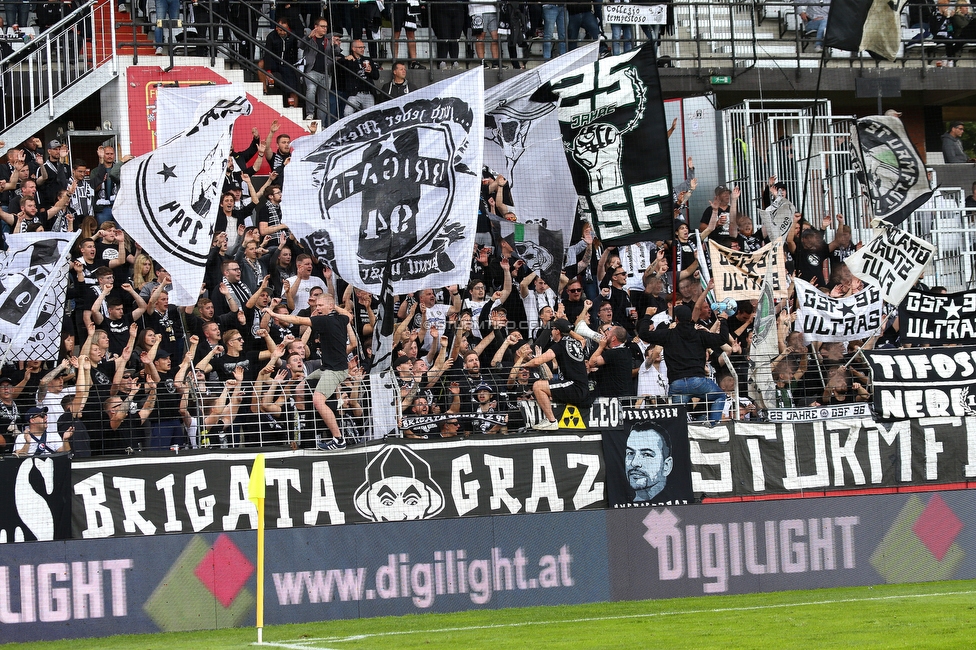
(276, 349)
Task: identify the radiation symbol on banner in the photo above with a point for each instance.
(571, 418)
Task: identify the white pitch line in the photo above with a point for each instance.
(716, 610)
(290, 645)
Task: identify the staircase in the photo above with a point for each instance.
(56, 71)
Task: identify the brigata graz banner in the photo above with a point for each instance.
(35, 498)
(936, 318)
(393, 481)
(750, 459)
(923, 382)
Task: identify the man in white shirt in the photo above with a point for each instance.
(300, 284)
(36, 440)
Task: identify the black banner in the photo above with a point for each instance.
(611, 114)
(923, 382)
(648, 459)
(384, 481)
(35, 498)
(754, 459)
(935, 318)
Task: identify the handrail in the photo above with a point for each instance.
(55, 61)
(35, 43)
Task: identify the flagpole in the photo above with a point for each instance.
(255, 493)
(260, 612)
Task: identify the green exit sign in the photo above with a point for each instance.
(720, 80)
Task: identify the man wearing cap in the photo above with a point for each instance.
(573, 388)
(55, 176)
(37, 440)
(685, 353)
(952, 151)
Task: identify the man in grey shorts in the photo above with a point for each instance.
(484, 24)
(331, 325)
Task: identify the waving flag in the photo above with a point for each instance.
(523, 143)
(764, 348)
(893, 171)
(611, 114)
(394, 188)
(169, 197)
(33, 277)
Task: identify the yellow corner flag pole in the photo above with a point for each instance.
(255, 492)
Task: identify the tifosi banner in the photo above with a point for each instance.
(935, 318)
(833, 455)
(35, 499)
(892, 261)
(648, 458)
(383, 482)
(924, 382)
(612, 118)
(827, 319)
(740, 275)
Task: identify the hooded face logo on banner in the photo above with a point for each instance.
(398, 487)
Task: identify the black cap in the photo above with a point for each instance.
(54, 144)
(562, 325)
(35, 411)
(161, 354)
(6, 380)
(483, 386)
(953, 124)
(682, 314)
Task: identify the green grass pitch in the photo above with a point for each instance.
(929, 615)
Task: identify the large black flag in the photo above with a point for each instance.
(865, 25)
(611, 115)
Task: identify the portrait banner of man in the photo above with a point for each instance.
(649, 459)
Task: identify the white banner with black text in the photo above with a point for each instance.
(827, 319)
(893, 261)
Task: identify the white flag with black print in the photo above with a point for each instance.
(396, 186)
(169, 198)
(893, 261)
(764, 348)
(523, 142)
(830, 320)
(33, 280)
(777, 219)
(891, 168)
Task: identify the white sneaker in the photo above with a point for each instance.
(442, 65)
(455, 65)
(159, 51)
(546, 425)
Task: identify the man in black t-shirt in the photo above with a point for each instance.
(573, 388)
(334, 332)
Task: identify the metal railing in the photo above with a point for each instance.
(35, 76)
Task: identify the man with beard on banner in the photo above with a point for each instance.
(611, 114)
(169, 198)
(394, 188)
(523, 143)
(893, 261)
(33, 276)
(649, 460)
(892, 169)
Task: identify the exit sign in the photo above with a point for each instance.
(720, 80)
